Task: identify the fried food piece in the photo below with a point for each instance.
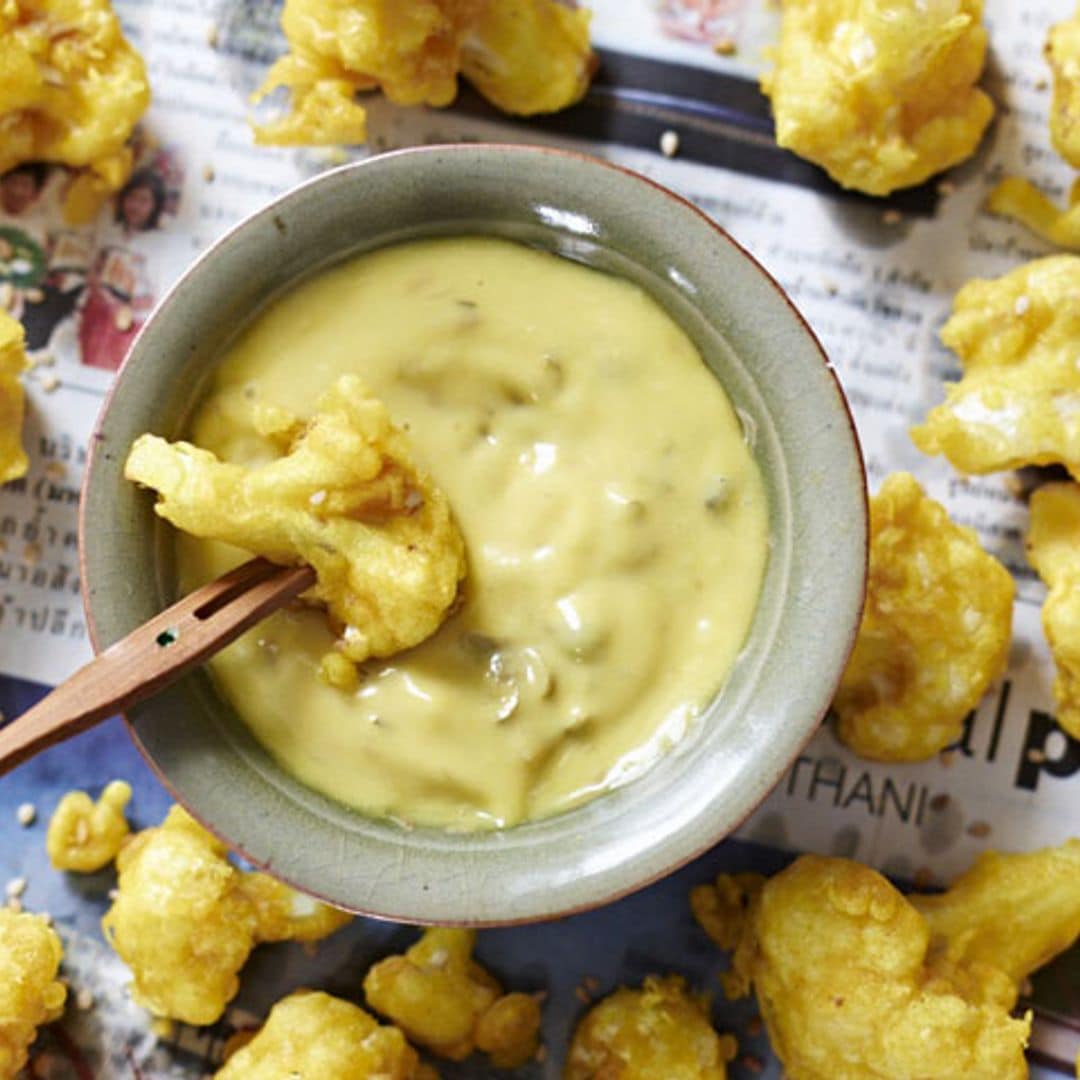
(1053, 547)
(880, 93)
(185, 919)
(85, 836)
(345, 497)
(1016, 337)
(526, 56)
(71, 92)
(442, 999)
(30, 993)
(1022, 201)
(13, 461)
(316, 1035)
(857, 982)
(934, 634)
(659, 1030)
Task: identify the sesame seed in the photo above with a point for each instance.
(124, 319)
(669, 143)
(49, 382)
(15, 887)
(979, 829)
(892, 217)
(317, 498)
(84, 999)
(208, 173)
(724, 46)
(212, 36)
(26, 814)
(1022, 305)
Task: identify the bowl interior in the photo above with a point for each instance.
(775, 375)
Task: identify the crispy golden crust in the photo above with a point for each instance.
(30, 994)
(934, 634)
(880, 93)
(71, 92)
(185, 919)
(345, 498)
(442, 999)
(660, 1030)
(13, 460)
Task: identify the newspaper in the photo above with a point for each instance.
(875, 279)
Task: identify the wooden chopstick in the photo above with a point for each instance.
(154, 655)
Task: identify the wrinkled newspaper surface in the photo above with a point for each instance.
(875, 279)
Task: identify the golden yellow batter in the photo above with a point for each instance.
(615, 523)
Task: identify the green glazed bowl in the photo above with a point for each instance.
(777, 377)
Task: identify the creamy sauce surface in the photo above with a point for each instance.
(615, 522)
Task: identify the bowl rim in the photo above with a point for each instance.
(270, 211)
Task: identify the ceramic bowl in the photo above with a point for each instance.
(774, 372)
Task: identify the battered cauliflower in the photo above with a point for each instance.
(880, 93)
(1020, 199)
(442, 999)
(658, 1031)
(319, 1036)
(13, 462)
(856, 982)
(934, 634)
(30, 993)
(84, 835)
(526, 56)
(1019, 400)
(185, 920)
(71, 92)
(345, 497)
(1053, 546)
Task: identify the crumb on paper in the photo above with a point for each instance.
(891, 217)
(669, 143)
(725, 46)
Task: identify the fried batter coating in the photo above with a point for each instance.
(442, 999)
(935, 630)
(345, 498)
(857, 982)
(315, 1035)
(71, 92)
(1053, 547)
(13, 461)
(85, 836)
(525, 56)
(1022, 201)
(30, 993)
(1019, 400)
(880, 93)
(185, 920)
(659, 1030)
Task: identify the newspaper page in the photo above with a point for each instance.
(874, 277)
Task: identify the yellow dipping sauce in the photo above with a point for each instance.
(615, 522)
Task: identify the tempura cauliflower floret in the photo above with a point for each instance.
(1053, 546)
(880, 93)
(13, 462)
(71, 92)
(185, 919)
(442, 999)
(658, 1031)
(30, 994)
(318, 1036)
(1019, 400)
(84, 835)
(855, 982)
(525, 56)
(934, 634)
(1020, 199)
(345, 497)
